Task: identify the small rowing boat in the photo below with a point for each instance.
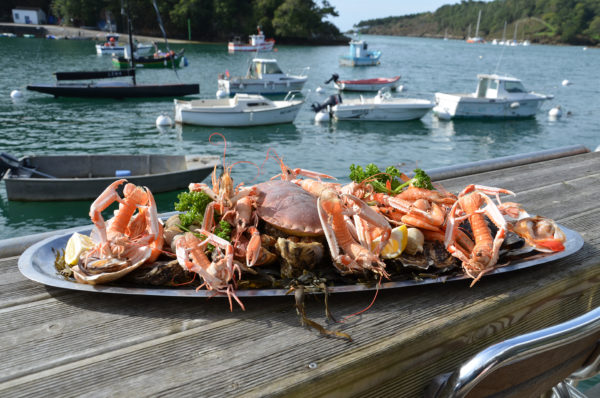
(84, 177)
(374, 84)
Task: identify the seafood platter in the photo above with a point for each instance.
(299, 230)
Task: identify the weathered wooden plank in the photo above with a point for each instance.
(535, 175)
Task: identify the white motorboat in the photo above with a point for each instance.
(241, 110)
(264, 77)
(496, 96)
(382, 107)
(113, 47)
(257, 42)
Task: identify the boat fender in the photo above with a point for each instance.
(122, 173)
(221, 94)
(322, 116)
(515, 105)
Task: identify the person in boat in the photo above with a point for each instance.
(110, 42)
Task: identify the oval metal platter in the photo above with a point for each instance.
(37, 264)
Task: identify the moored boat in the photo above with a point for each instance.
(359, 55)
(84, 177)
(381, 107)
(156, 61)
(374, 84)
(257, 42)
(264, 76)
(496, 97)
(112, 47)
(110, 89)
(241, 110)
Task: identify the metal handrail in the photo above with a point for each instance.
(521, 347)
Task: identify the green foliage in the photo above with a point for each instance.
(223, 230)
(193, 204)
(210, 20)
(384, 182)
(420, 180)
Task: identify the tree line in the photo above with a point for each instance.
(574, 22)
(301, 21)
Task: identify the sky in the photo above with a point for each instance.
(353, 11)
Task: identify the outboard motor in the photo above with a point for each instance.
(8, 162)
(333, 78)
(331, 101)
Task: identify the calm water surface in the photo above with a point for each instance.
(39, 124)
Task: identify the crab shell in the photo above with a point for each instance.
(137, 257)
(289, 208)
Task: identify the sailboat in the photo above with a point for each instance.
(503, 41)
(112, 89)
(476, 38)
(514, 40)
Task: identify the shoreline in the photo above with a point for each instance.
(73, 33)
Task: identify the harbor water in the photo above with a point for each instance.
(39, 124)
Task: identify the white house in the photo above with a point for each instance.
(27, 15)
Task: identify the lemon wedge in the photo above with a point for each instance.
(396, 244)
(76, 245)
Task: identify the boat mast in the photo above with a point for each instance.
(477, 28)
(131, 58)
(504, 33)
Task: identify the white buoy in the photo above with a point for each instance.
(221, 94)
(322, 116)
(566, 82)
(319, 89)
(15, 94)
(400, 88)
(163, 120)
(555, 113)
(481, 57)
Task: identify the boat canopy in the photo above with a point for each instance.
(494, 86)
(260, 67)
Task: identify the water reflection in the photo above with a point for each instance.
(256, 134)
(507, 129)
(411, 127)
(37, 217)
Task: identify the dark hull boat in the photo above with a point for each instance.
(158, 61)
(111, 89)
(84, 177)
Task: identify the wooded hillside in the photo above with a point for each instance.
(541, 21)
(289, 21)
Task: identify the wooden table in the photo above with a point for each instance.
(56, 342)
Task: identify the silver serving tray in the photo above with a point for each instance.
(37, 264)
